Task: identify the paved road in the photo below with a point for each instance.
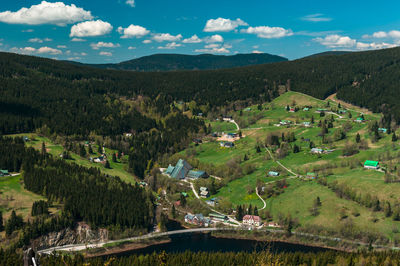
(237, 126)
(79, 247)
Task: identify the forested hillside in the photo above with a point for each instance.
(174, 62)
(36, 91)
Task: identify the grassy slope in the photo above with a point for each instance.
(299, 196)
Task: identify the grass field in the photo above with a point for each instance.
(299, 196)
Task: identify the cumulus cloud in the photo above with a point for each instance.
(214, 38)
(131, 48)
(257, 52)
(193, 39)
(91, 29)
(78, 40)
(38, 40)
(214, 49)
(61, 46)
(46, 13)
(130, 3)
(267, 32)
(105, 53)
(161, 37)
(223, 24)
(394, 34)
(41, 50)
(169, 46)
(133, 31)
(28, 30)
(97, 46)
(316, 18)
(147, 41)
(336, 41)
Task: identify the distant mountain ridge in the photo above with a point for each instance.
(175, 62)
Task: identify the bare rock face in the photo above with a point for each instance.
(80, 235)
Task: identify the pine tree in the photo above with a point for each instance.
(114, 157)
(1, 222)
(312, 119)
(388, 209)
(43, 148)
(358, 138)
(250, 210)
(296, 149)
(255, 212)
(99, 149)
(183, 200)
(339, 105)
(394, 137)
(90, 149)
(173, 211)
(107, 165)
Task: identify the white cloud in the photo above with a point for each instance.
(336, 41)
(28, 30)
(97, 46)
(61, 46)
(130, 3)
(172, 45)
(48, 50)
(133, 31)
(316, 18)
(41, 50)
(131, 48)
(214, 49)
(83, 54)
(257, 52)
(78, 40)
(267, 32)
(46, 13)
(38, 40)
(90, 29)
(373, 45)
(161, 37)
(223, 25)
(74, 58)
(105, 53)
(147, 41)
(193, 39)
(214, 38)
(395, 34)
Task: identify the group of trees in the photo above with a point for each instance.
(242, 210)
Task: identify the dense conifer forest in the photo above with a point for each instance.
(220, 259)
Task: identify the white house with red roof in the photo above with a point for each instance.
(252, 220)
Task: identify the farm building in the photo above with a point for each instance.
(359, 120)
(180, 170)
(218, 217)
(197, 174)
(320, 110)
(273, 224)
(197, 141)
(204, 192)
(100, 159)
(307, 124)
(292, 110)
(184, 194)
(371, 164)
(252, 220)
(273, 173)
(306, 109)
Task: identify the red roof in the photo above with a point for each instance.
(252, 217)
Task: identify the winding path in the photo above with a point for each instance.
(278, 162)
(265, 204)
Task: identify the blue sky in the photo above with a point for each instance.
(105, 31)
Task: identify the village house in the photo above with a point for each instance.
(100, 159)
(273, 224)
(382, 130)
(197, 219)
(317, 151)
(252, 220)
(311, 175)
(285, 122)
(183, 170)
(359, 120)
(371, 165)
(320, 110)
(307, 124)
(292, 110)
(227, 144)
(4, 173)
(204, 192)
(306, 109)
(273, 173)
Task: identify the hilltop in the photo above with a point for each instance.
(175, 62)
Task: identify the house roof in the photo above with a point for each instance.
(169, 170)
(216, 215)
(203, 189)
(181, 169)
(5, 172)
(196, 174)
(273, 173)
(252, 217)
(371, 163)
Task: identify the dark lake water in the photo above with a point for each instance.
(205, 242)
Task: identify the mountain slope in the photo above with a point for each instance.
(174, 62)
